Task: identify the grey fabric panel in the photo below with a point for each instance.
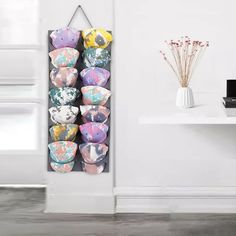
(79, 66)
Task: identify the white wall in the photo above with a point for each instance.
(172, 168)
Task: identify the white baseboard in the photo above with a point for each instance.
(142, 200)
(80, 203)
(175, 200)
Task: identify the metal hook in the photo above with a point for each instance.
(77, 8)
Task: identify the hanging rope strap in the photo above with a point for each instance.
(86, 17)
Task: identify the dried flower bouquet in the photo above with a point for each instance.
(185, 56)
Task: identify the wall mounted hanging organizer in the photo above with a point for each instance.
(79, 99)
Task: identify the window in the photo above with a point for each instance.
(19, 22)
(20, 101)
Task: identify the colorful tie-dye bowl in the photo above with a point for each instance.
(94, 132)
(95, 76)
(63, 132)
(63, 114)
(93, 169)
(96, 57)
(94, 113)
(62, 168)
(64, 57)
(95, 95)
(64, 96)
(93, 152)
(62, 151)
(64, 77)
(96, 38)
(65, 37)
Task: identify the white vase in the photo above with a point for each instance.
(184, 98)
